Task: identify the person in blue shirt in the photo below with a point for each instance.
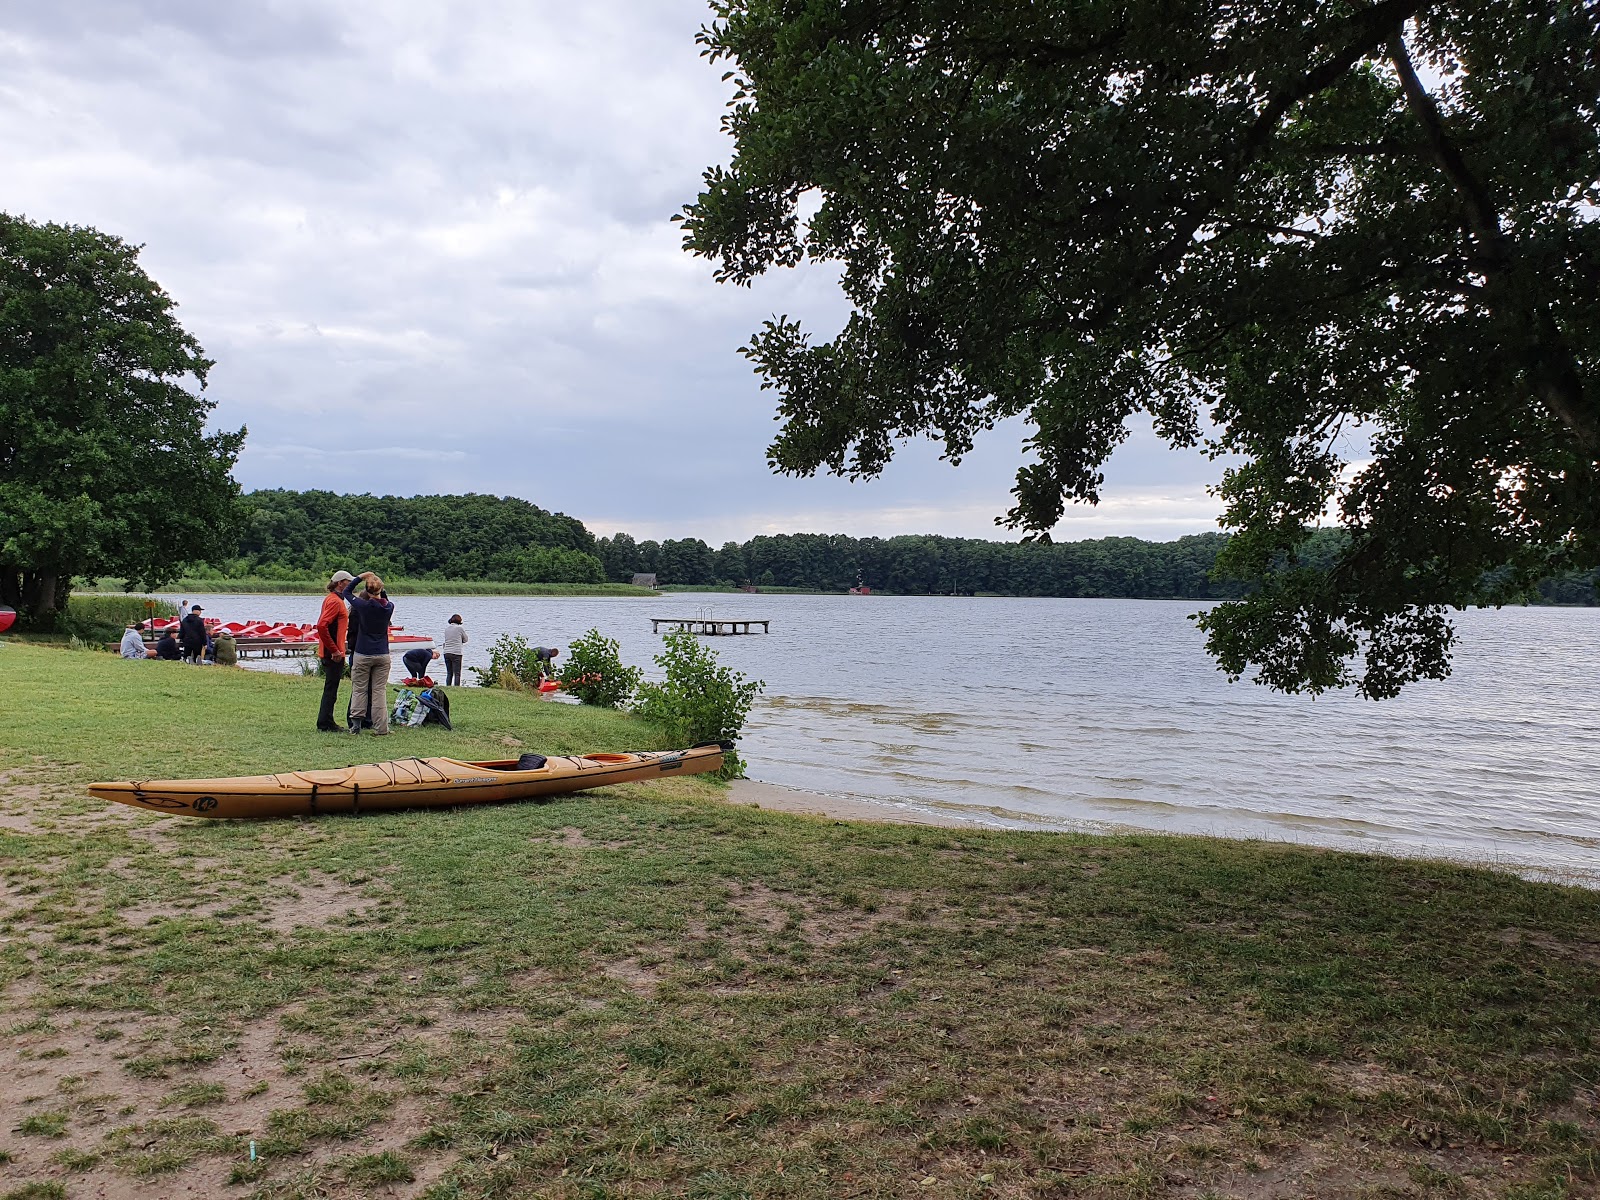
(370, 614)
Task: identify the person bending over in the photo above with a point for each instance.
(417, 661)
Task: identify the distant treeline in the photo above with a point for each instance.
(926, 564)
(293, 535)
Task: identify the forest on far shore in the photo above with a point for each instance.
(299, 535)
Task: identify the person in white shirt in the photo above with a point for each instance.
(455, 637)
(133, 643)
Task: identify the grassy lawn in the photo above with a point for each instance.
(647, 992)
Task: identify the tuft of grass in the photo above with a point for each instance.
(195, 1095)
(46, 1190)
(387, 1167)
(44, 1124)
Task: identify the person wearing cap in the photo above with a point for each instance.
(332, 623)
(224, 650)
(370, 612)
(192, 635)
(455, 637)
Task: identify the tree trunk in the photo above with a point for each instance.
(41, 599)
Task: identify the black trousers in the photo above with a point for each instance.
(452, 670)
(332, 672)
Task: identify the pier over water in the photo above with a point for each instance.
(708, 626)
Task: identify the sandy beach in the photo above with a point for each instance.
(753, 794)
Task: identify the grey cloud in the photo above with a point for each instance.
(430, 243)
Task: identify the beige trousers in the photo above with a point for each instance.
(369, 686)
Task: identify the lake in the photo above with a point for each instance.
(1107, 714)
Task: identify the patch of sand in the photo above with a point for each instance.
(771, 796)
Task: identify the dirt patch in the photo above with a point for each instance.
(761, 905)
(292, 902)
(1584, 952)
(81, 1092)
(633, 975)
(316, 900)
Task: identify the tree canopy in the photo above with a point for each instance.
(105, 465)
(1348, 246)
(291, 534)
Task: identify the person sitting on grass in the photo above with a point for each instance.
(133, 642)
(167, 647)
(224, 650)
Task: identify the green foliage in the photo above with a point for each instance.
(100, 619)
(698, 701)
(1348, 248)
(512, 664)
(105, 464)
(595, 673)
(307, 534)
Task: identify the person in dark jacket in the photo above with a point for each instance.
(167, 647)
(418, 660)
(192, 635)
(370, 613)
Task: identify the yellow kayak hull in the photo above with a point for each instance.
(402, 783)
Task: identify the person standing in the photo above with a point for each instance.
(370, 612)
(332, 623)
(455, 637)
(192, 635)
(183, 610)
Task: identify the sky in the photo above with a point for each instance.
(429, 247)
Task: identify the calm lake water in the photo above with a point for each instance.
(1103, 714)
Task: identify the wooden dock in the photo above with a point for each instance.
(251, 649)
(708, 626)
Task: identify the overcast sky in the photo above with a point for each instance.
(429, 247)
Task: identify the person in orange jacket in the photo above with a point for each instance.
(332, 624)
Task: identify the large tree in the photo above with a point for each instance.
(105, 465)
(1350, 244)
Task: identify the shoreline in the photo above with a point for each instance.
(775, 797)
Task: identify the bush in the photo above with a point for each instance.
(101, 619)
(595, 672)
(512, 664)
(698, 701)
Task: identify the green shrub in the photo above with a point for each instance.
(101, 619)
(512, 664)
(698, 701)
(596, 674)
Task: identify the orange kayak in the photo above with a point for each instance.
(405, 783)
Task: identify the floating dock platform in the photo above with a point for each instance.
(708, 626)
